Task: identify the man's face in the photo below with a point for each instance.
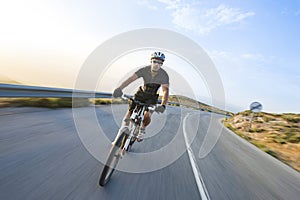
(156, 64)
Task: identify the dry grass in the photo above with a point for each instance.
(56, 102)
(44, 102)
(276, 134)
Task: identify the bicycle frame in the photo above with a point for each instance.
(135, 123)
(124, 140)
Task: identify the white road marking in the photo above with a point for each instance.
(200, 183)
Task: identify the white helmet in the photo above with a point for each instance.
(158, 55)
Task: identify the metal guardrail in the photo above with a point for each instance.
(16, 91)
(12, 90)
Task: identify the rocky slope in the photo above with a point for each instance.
(276, 134)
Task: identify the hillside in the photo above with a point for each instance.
(276, 134)
(188, 102)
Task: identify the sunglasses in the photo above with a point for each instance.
(157, 62)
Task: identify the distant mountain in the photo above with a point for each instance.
(5, 79)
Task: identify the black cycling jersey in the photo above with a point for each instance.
(148, 92)
(152, 83)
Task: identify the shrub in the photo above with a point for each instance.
(257, 130)
(267, 118)
(291, 118)
(102, 101)
(279, 140)
(259, 145)
(49, 102)
(78, 102)
(292, 137)
(272, 153)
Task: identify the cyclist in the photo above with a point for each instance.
(154, 77)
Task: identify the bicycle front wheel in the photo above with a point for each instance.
(135, 128)
(112, 160)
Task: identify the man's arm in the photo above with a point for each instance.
(128, 81)
(165, 97)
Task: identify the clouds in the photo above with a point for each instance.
(233, 57)
(147, 4)
(194, 16)
(205, 21)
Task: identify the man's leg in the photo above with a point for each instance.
(147, 119)
(146, 122)
(126, 118)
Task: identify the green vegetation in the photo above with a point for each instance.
(257, 130)
(294, 118)
(177, 100)
(45, 102)
(229, 126)
(292, 137)
(105, 101)
(56, 102)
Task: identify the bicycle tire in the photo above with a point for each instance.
(112, 160)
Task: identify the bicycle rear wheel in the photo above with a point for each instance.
(112, 160)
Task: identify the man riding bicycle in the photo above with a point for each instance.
(154, 77)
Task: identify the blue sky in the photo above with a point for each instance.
(255, 45)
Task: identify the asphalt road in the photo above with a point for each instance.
(43, 156)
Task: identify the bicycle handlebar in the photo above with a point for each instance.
(125, 97)
(150, 108)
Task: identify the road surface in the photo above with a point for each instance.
(43, 157)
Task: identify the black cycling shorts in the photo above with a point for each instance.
(144, 98)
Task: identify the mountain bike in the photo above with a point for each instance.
(124, 139)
